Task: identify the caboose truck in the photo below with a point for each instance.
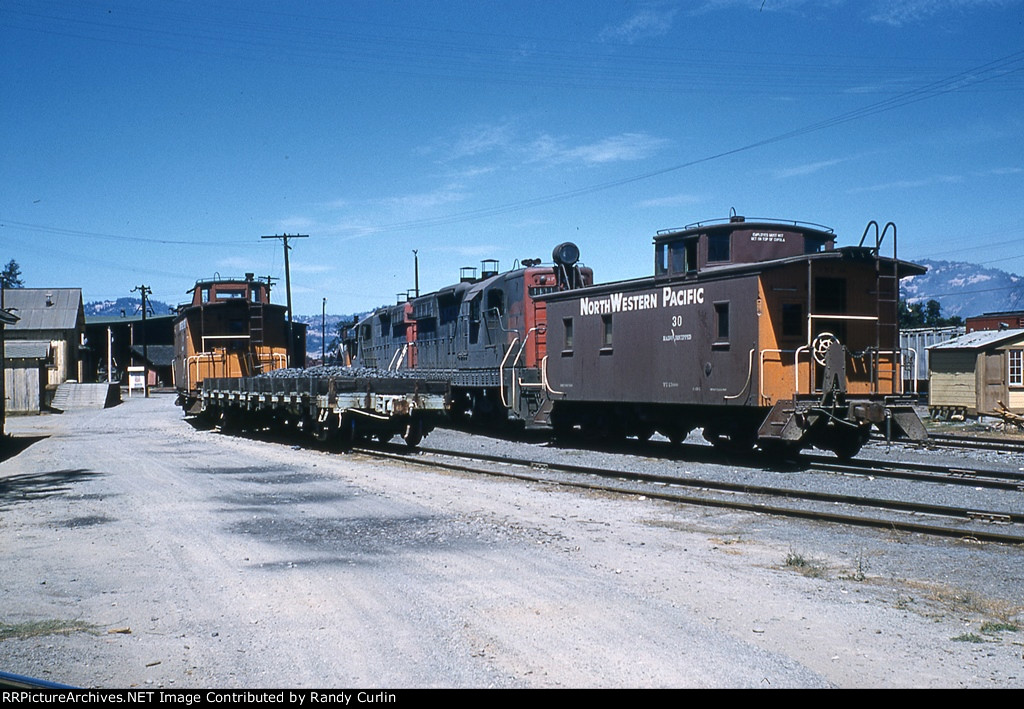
(760, 332)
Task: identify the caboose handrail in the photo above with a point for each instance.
(544, 377)
(750, 372)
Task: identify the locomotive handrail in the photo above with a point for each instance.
(515, 362)
(750, 372)
(501, 371)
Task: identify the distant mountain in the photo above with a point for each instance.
(313, 330)
(965, 289)
(129, 306)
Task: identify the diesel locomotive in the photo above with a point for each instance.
(760, 332)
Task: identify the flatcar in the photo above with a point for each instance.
(759, 332)
(230, 329)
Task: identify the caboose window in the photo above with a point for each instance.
(721, 322)
(718, 247)
(567, 325)
(830, 295)
(792, 320)
(606, 331)
(682, 256)
(661, 260)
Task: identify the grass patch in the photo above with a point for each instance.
(806, 565)
(997, 626)
(969, 638)
(39, 628)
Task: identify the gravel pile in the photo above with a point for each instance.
(323, 371)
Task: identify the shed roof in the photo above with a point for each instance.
(26, 349)
(980, 339)
(159, 355)
(37, 311)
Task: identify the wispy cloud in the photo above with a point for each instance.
(901, 12)
(678, 200)
(624, 147)
(653, 20)
(909, 184)
(806, 169)
(426, 200)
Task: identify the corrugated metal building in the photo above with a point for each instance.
(914, 344)
(974, 373)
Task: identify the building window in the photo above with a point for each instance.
(567, 324)
(721, 322)
(606, 330)
(1016, 373)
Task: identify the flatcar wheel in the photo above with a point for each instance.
(780, 450)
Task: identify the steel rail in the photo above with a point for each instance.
(892, 505)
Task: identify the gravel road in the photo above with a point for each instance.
(139, 551)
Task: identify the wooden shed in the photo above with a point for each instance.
(975, 373)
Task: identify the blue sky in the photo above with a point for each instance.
(156, 142)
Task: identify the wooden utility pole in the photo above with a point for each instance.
(288, 285)
(145, 291)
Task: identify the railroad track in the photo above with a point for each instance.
(906, 516)
(950, 440)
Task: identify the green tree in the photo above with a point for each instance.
(929, 314)
(10, 277)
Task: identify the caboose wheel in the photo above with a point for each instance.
(848, 445)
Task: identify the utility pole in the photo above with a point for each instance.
(145, 291)
(323, 334)
(288, 285)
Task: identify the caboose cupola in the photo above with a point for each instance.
(735, 240)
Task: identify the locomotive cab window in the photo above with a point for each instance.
(606, 334)
(496, 302)
(567, 340)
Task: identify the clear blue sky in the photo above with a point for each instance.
(156, 142)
